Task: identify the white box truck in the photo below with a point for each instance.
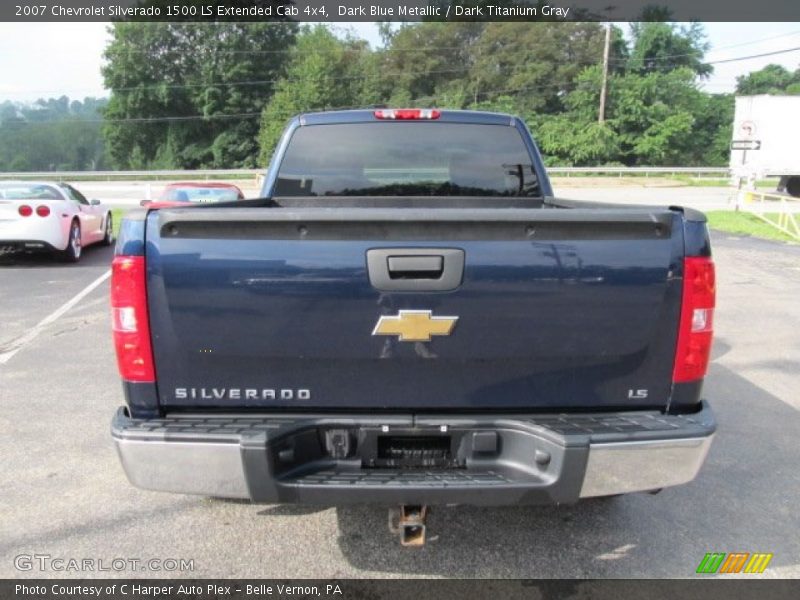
(766, 130)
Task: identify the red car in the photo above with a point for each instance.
(179, 194)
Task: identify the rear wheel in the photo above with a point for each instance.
(73, 250)
(793, 186)
(108, 238)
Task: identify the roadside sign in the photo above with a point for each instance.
(746, 145)
(748, 129)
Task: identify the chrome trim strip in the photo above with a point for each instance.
(624, 467)
(209, 469)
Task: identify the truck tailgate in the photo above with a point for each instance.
(277, 307)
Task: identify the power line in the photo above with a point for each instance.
(728, 60)
(711, 51)
(321, 51)
(706, 62)
(252, 82)
(400, 51)
(484, 93)
(766, 39)
(450, 48)
(161, 86)
(142, 119)
(244, 83)
(158, 86)
(421, 99)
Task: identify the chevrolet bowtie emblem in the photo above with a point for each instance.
(414, 325)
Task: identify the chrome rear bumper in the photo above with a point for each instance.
(642, 466)
(508, 460)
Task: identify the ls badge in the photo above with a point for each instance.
(414, 325)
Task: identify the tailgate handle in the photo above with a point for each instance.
(415, 269)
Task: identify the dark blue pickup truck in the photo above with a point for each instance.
(409, 316)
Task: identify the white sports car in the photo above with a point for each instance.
(50, 217)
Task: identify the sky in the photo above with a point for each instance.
(53, 59)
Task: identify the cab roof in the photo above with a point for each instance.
(368, 116)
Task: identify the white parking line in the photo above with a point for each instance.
(52, 317)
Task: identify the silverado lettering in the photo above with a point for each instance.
(469, 337)
(241, 394)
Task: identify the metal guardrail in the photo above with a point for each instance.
(637, 171)
(122, 175)
(248, 173)
(779, 210)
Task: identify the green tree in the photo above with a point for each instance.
(424, 61)
(662, 47)
(654, 115)
(650, 120)
(536, 63)
(189, 94)
(51, 134)
(563, 142)
(324, 72)
(712, 131)
(470, 64)
(772, 79)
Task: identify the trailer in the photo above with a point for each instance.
(766, 130)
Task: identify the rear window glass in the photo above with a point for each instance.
(28, 191)
(198, 194)
(406, 159)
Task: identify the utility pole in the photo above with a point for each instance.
(602, 115)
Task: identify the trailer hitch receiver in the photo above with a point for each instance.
(409, 523)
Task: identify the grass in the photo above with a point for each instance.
(116, 217)
(743, 223)
(761, 184)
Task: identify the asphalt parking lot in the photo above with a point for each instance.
(65, 495)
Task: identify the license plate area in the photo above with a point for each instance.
(414, 451)
(371, 447)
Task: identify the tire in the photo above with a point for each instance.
(793, 186)
(74, 250)
(108, 238)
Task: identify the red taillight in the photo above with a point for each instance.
(697, 320)
(42, 210)
(25, 210)
(129, 319)
(407, 114)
